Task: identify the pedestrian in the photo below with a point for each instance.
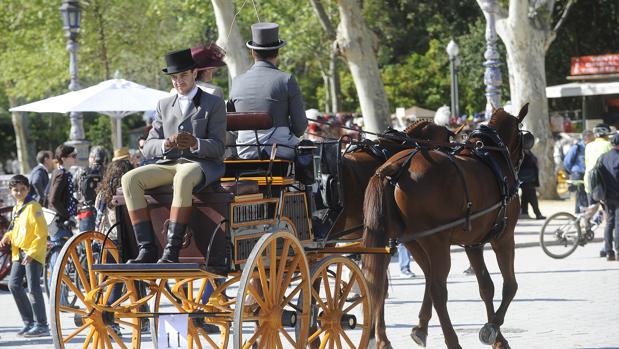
(574, 164)
(404, 259)
(529, 178)
(187, 138)
(27, 236)
(610, 175)
(86, 182)
(39, 177)
(61, 199)
(106, 215)
(593, 150)
(264, 88)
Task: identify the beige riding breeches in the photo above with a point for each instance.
(183, 177)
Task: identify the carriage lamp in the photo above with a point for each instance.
(453, 50)
(70, 11)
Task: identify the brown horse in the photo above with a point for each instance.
(358, 168)
(415, 205)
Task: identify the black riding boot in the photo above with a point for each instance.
(176, 231)
(145, 235)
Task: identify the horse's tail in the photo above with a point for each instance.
(375, 235)
(379, 211)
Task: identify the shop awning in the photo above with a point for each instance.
(575, 89)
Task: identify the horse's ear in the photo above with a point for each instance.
(523, 112)
(459, 129)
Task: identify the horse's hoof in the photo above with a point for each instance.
(488, 333)
(501, 345)
(419, 336)
(372, 344)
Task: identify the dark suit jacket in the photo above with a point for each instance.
(39, 179)
(59, 197)
(206, 120)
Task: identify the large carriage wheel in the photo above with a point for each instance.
(5, 253)
(341, 305)
(275, 276)
(190, 301)
(83, 323)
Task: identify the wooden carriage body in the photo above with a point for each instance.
(253, 229)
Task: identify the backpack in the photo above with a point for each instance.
(87, 184)
(597, 186)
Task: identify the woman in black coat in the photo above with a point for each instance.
(529, 176)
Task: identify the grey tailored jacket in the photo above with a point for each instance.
(264, 88)
(206, 120)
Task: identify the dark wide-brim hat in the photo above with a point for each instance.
(179, 61)
(208, 57)
(265, 36)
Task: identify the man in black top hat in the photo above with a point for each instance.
(187, 140)
(264, 88)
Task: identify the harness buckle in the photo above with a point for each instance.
(479, 145)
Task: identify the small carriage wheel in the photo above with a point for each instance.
(275, 276)
(560, 235)
(83, 323)
(340, 305)
(189, 302)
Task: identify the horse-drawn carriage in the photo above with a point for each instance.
(256, 246)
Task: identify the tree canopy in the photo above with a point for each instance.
(133, 36)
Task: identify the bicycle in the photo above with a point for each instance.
(563, 232)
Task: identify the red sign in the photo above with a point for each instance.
(603, 64)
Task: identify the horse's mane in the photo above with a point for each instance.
(417, 125)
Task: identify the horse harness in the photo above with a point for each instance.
(481, 151)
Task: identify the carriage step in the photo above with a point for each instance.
(152, 269)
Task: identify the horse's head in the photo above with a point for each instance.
(508, 128)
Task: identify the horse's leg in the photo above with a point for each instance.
(437, 249)
(486, 290)
(505, 252)
(419, 333)
(375, 269)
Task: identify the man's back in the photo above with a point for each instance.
(610, 162)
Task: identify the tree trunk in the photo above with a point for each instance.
(525, 45)
(20, 126)
(356, 42)
(237, 58)
(334, 80)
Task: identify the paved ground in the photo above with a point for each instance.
(568, 303)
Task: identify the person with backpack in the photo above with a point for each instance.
(609, 168)
(593, 150)
(87, 181)
(27, 236)
(574, 164)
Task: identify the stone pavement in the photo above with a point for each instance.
(566, 303)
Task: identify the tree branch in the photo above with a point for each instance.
(553, 33)
(323, 18)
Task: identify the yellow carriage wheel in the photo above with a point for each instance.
(84, 324)
(275, 275)
(186, 296)
(341, 305)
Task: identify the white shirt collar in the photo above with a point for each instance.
(190, 95)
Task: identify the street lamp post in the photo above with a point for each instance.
(492, 74)
(70, 11)
(453, 50)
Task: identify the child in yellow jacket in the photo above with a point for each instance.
(27, 235)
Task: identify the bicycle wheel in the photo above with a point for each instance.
(560, 235)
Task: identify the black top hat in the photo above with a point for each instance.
(179, 61)
(265, 36)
